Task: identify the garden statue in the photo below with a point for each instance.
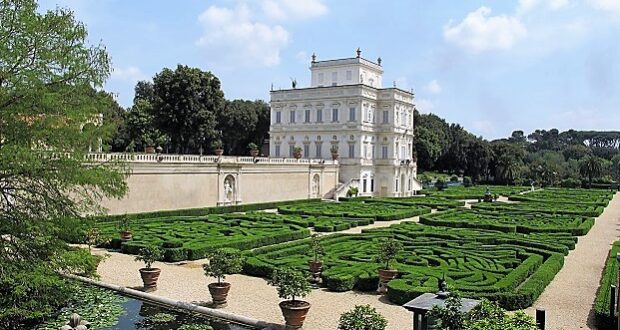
(228, 190)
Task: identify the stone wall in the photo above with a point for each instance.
(166, 182)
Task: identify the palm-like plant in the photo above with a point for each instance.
(590, 167)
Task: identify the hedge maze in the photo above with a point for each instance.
(507, 267)
(511, 221)
(476, 192)
(507, 252)
(192, 237)
(379, 211)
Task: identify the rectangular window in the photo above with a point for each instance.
(396, 186)
(334, 77)
(372, 149)
(307, 116)
(351, 150)
(335, 115)
(349, 75)
(291, 150)
(351, 114)
(278, 117)
(372, 185)
(386, 117)
(319, 153)
(277, 150)
(319, 115)
(306, 150)
(292, 117)
(365, 151)
(384, 152)
(364, 183)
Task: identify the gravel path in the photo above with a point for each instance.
(249, 296)
(569, 298)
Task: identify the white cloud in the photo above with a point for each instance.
(130, 73)
(480, 31)
(302, 56)
(232, 36)
(433, 87)
(424, 105)
(293, 9)
(606, 5)
(249, 33)
(528, 5)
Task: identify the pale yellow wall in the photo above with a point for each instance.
(157, 186)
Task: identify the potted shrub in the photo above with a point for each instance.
(292, 284)
(253, 149)
(316, 248)
(218, 147)
(221, 263)
(362, 317)
(387, 253)
(297, 152)
(334, 151)
(124, 229)
(149, 254)
(149, 145)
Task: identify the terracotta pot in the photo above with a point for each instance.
(335, 156)
(150, 277)
(149, 150)
(386, 275)
(315, 266)
(254, 152)
(126, 236)
(219, 293)
(297, 155)
(294, 313)
(219, 152)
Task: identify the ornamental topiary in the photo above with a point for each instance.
(223, 262)
(362, 317)
(291, 284)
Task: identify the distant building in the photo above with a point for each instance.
(347, 110)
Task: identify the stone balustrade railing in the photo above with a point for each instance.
(175, 158)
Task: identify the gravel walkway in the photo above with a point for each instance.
(249, 296)
(569, 298)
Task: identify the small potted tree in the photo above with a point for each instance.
(387, 253)
(297, 152)
(362, 317)
(315, 265)
(149, 254)
(334, 151)
(221, 263)
(253, 149)
(124, 228)
(292, 284)
(218, 147)
(149, 144)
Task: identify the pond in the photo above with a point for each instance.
(108, 310)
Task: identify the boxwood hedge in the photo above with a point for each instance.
(603, 318)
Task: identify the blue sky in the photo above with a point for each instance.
(492, 66)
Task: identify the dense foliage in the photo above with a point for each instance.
(604, 318)
(547, 157)
(223, 262)
(50, 116)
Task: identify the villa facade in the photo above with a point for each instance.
(347, 110)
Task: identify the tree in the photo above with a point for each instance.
(186, 102)
(48, 81)
(615, 166)
(478, 157)
(507, 162)
(141, 128)
(590, 167)
(362, 317)
(237, 122)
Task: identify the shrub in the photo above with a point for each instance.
(352, 192)
(440, 184)
(388, 251)
(570, 183)
(604, 319)
(362, 317)
(291, 283)
(467, 181)
(149, 254)
(252, 146)
(316, 247)
(454, 178)
(223, 262)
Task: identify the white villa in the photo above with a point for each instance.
(347, 109)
